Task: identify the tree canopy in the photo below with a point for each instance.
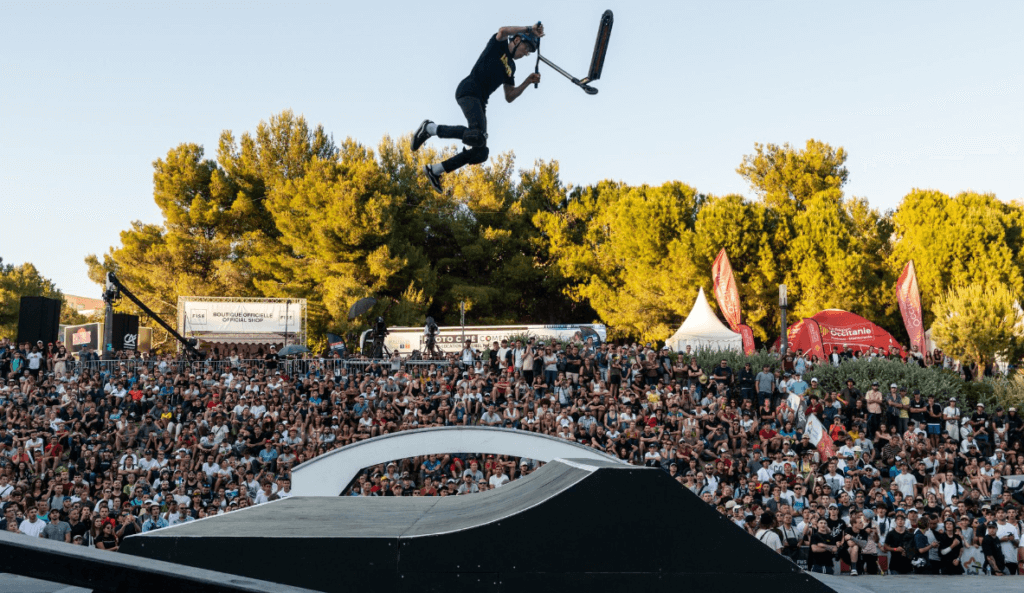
(287, 212)
(979, 321)
(26, 281)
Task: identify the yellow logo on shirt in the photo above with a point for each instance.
(508, 69)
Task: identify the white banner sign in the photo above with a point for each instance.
(449, 338)
(241, 317)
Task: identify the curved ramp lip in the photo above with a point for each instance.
(430, 516)
(330, 473)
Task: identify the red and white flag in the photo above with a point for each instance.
(813, 331)
(728, 296)
(909, 297)
(726, 292)
(818, 436)
(748, 338)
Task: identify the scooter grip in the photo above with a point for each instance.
(536, 69)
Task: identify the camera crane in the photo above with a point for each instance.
(112, 293)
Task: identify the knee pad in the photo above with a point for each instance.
(479, 154)
(474, 138)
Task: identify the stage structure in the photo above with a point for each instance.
(228, 320)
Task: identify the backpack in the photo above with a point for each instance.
(912, 554)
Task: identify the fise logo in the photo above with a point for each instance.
(197, 317)
(289, 318)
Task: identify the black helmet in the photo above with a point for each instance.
(529, 38)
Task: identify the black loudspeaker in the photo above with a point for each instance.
(38, 319)
(126, 331)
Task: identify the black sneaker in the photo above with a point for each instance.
(421, 135)
(435, 180)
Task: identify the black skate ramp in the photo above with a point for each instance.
(916, 583)
(571, 525)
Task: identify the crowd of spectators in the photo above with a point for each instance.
(93, 453)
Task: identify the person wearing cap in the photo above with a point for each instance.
(153, 519)
(898, 542)
(1009, 539)
(1014, 427)
(56, 530)
(991, 549)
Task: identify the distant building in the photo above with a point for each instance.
(83, 305)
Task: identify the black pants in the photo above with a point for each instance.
(874, 421)
(867, 563)
(475, 134)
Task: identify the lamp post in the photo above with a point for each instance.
(462, 320)
(783, 304)
(287, 303)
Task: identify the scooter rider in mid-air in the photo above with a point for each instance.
(495, 67)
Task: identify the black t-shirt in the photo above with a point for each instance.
(860, 537)
(836, 526)
(990, 546)
(821, 558)
(980, 417)
(79, 528)
(494, 67)
(271, 358)
(918, 416)
(897, 561)
(747, 379)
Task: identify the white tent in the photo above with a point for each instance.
(702, 329)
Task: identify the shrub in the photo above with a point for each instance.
(863, 371)
(1002, 391)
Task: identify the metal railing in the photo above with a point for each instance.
(324, 366)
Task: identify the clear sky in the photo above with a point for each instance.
(921, 94)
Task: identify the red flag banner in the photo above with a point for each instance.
(909, 297)
(819, 437)
(748, 338)
(813, 331)
(726, 293)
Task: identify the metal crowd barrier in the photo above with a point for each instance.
(292, 366)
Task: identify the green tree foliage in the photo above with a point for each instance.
(979, 321)
(287, 213)
(26, 281)
(966, 239)
(830, 246)
(215, 215)
(629, 252)
(786, 178)
(744, 229)
(638, 255)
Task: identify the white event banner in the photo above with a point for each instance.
(242, 317)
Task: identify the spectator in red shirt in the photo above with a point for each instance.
(770, 439)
